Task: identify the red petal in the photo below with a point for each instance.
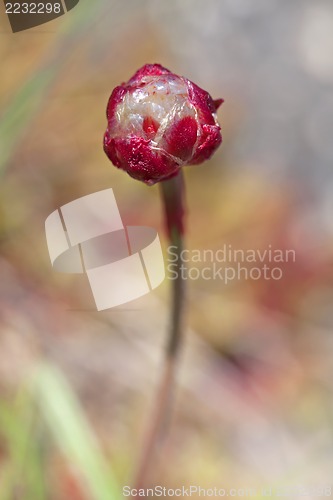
(210, 140)
(110, 150)
(139, 160)
(217, 103)
(202, 102)
(181, 137)
(115, 98)
(147, 70)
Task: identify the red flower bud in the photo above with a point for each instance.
(159, 122)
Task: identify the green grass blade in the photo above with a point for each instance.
(23, 469)
(72, 432)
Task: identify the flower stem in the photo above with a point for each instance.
(173, 198)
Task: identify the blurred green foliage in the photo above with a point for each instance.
(48, 405)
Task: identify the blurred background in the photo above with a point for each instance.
(254, 404)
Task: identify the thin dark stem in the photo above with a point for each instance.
(178, 293)
(173, 193)
(173, 198)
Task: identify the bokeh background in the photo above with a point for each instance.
(254, 404)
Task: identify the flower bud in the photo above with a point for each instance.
(159, 122)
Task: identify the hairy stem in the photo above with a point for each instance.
(173, 198)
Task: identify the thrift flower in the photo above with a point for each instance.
(159, 122)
